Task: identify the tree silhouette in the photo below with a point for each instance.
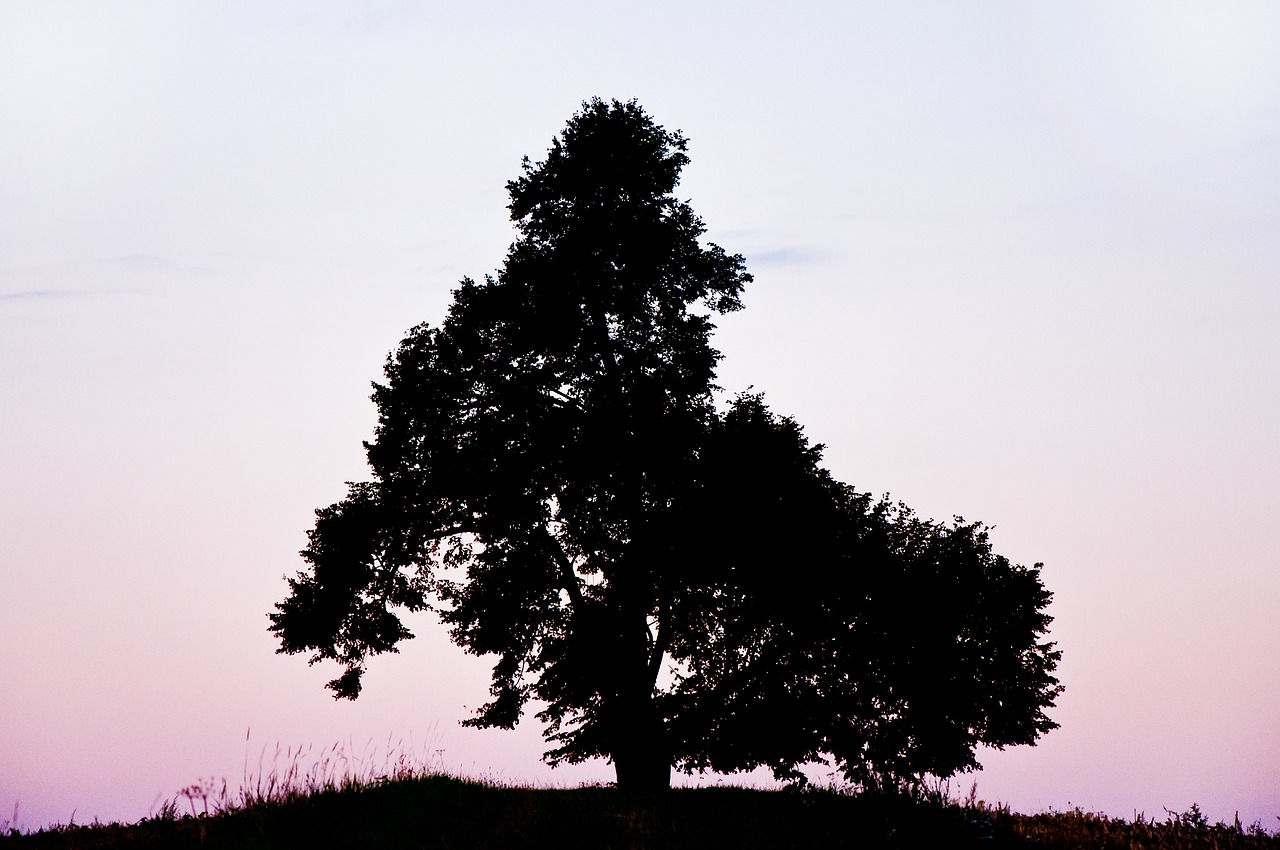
(677, 584)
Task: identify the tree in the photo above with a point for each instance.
(678, 584)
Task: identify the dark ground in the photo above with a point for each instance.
(452, 814)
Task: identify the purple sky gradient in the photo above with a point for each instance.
(1014, 263)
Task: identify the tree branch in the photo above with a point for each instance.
(568, 401)
(568, 577)
(660, 640)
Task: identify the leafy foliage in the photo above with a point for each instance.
(677, 584)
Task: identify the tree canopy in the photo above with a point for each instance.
(676, 582)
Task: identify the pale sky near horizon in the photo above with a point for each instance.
(1017, 262)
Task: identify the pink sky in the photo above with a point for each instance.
(1014, 264)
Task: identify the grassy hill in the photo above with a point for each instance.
(453, 814)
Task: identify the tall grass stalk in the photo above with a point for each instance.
(296, 772)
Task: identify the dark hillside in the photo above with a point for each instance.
(451, 814)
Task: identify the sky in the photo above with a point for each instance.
(1015, 262)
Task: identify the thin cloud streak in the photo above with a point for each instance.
(784, 257)
(37, 295)
(63, 294)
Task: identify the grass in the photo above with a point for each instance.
(403, 801)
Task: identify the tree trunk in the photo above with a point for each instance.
(641, 759)
(636, 733)
(638, 744)
(642, 772)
